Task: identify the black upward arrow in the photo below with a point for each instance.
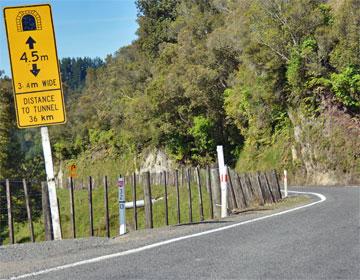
(35, 71)
(30, 41)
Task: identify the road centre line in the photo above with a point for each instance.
(173, 240)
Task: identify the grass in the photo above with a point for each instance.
(288, 202)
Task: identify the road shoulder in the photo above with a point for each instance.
(27, 258)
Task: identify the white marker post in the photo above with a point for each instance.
(285, 184)
(49, 167)
(223, 181)
(122, 217)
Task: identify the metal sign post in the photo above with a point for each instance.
(122, 217)
(51, 183)
(223, 181)
(39, 100)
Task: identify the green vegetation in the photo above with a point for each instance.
(245, 74)
(248, 75)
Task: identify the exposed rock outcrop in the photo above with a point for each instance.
(156, 161)
(328, 146)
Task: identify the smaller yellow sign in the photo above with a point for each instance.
(35, 68)
(72, 169)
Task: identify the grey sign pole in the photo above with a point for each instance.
(51, 183)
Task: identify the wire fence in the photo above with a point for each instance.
(89, 206)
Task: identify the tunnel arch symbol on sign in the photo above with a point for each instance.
(28, 21)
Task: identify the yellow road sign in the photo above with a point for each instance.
(34, 64)
(72, 169)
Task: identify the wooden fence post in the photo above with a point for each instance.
(215, 185)
(201, 207)
(189, 192)
(91, 213)
(59, 210)
(271, 178)
(248, 192)
(134, 202)
(28, 210)
(257, 185)
(148, 203)
(264, 190)
(257, 188)
(177, 195)
(244, 191)
(208, 187)
(277, 184)
(251, 188)
(9, 210)
(106, 204)
(72, 207)
(46, 212)
(232, 192)
(269, 187)
(239, 194)
(166, 200)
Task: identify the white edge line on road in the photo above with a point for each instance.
(158, 244)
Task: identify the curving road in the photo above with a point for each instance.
(316, 242)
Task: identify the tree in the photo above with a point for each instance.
(5, 125)
(155, 18)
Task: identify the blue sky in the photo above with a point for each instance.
(93, 28)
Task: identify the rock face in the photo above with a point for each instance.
(328, 147)
(156, 161)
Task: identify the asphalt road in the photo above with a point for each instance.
(316, 242)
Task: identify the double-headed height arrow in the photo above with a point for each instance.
(35, 71)
(30, 41)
